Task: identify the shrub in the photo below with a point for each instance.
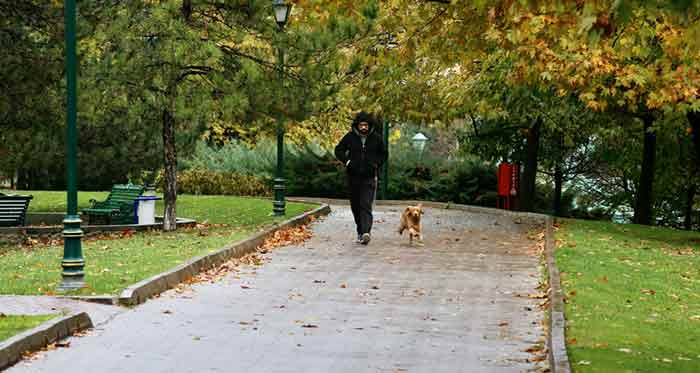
(313, 171)
(197, 181)
(234, 157)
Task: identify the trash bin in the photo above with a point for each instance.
(146, 209)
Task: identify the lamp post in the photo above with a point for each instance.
(385, 166)
(281, 10)
(419, 141)
(72, 263)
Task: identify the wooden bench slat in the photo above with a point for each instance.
(119, 204)
(13, 209)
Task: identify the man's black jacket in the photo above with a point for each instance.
(365, 157)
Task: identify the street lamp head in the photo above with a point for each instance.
(419, 141)
(282, 10)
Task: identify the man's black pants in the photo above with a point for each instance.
(362, 192)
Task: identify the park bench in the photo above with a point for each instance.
(13, 209)
(118, 208)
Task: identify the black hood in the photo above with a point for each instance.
(364, 117)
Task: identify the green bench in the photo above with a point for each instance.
(118, 208)
(13, 209)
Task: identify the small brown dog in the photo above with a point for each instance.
(410, 219)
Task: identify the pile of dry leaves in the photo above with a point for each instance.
(283, 237)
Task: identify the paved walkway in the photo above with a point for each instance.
(39, 305)
(336, 306)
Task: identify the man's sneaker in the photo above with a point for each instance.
(359, 238)
(365, 239)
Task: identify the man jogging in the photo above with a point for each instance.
(362, 152)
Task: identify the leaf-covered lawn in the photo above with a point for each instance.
(115, 261)
(11, 325)
(633, 297)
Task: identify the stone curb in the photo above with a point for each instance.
(110, 300)
(558, 359)
(556, 342)
(11, 350)
(91, 229)
(140, 292)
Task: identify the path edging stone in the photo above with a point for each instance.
(53, 330)
(141, 291)
(558, 358)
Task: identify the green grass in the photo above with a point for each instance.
(633, 302)
(116, 261)
(11, 325)
(55, 201)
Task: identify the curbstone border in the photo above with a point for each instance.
(91, 229)
(141, 291)
(11, 350)
(558, 359)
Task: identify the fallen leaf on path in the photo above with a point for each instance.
(167, 312)
(309, 326)
(63, 344)
(343, 285)
(648, 291)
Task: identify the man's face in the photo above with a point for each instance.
(363, 127)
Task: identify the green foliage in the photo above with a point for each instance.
(545, 197)
(313, 171)
(464, 180)
(631, 299)
(199, 181)
(234, 157)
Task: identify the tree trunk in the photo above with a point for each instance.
(530, 171)
(558, 181)
(694, 120)
(187, 10)
(642, 212)
(170, 163)
(22, 182)
(689, 197)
